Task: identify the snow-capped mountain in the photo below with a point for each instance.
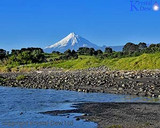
(73, 42)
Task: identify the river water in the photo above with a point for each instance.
(20, 107)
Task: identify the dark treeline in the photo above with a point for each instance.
(37, 55)
(3, 53)
(23, 56)
(130, 49)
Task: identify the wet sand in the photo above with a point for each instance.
(117, 115)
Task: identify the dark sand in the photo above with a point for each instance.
(117, 115)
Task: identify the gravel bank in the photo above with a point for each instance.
(141, 83)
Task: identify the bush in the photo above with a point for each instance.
(108, 50)
(86, 51)
(68, 54)
(130, 48)
(2, 54)
(153, 48)
(27, 56)
(115, 126)
(2, 79)
(98, 52)
(20, 77)
(142, 45)
(56, 52)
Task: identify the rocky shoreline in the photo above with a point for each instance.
(101, 79)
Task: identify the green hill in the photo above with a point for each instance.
(144, 61)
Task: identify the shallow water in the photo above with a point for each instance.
(20, 107)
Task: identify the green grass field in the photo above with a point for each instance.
(145, 61)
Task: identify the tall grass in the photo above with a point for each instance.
(144, 61)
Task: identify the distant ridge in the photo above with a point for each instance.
(115, 48)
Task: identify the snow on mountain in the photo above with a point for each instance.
(73, 42)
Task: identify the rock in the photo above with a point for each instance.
(140, 84)
(102, 91)
(142, 94)
(120, 89)
(79, 90)
(123, 85)
(67, 116)
(140, 89)
(21, 113)
(77, 119)
(84, 114)
(138, 77)
(114, 89)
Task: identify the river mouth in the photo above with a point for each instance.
(22, 107)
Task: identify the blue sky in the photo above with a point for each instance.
(39, 23)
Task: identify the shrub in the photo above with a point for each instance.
(108, 50)
(130, 48)
(56, 52)
(27, 56)
(2, 54)
(68, 54)
(98, 52)
(2, 79)
(20, 77)
(86, 51)
(115, 126)
(142, 45)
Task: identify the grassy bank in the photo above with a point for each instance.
(144, 61)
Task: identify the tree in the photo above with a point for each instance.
(153, 45)
(142, 45)
(37, 55)
(108, 50)
(68, 54)
(98, 52)
(91, 51)
(15, 52)
(27, 56)
(24, 57)
(56, 52)
(2, 53)
(86, 51)
(130, 48)
(82, 50)
(153, 48)
(158, 45)
(73, 52)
